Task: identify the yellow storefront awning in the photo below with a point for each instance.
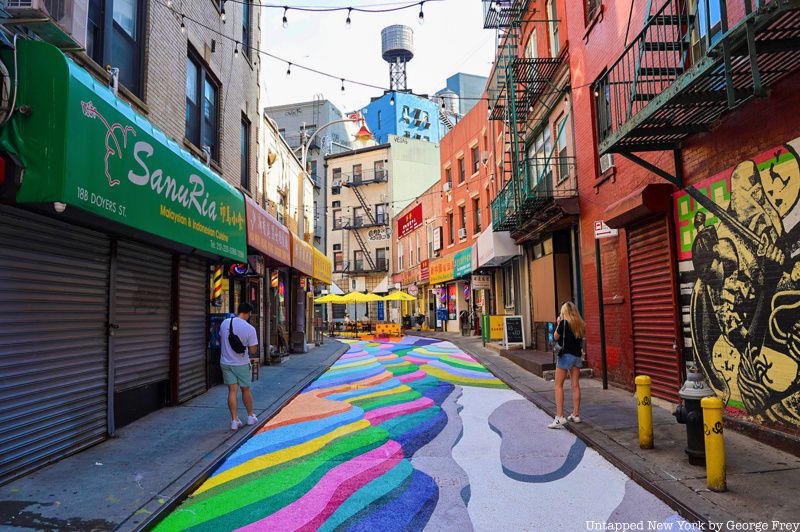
(323, 267)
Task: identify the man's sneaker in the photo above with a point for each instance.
(557, 423)
(252, 420)
(236, 424)
(573, 418)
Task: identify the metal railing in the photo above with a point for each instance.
(362, 266)
(365, 177)
(501, 13)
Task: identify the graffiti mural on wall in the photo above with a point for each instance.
(738, 238)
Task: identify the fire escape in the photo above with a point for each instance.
(371, 220)
(693, 61)
(519, 85)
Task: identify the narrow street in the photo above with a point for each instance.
(411, 434)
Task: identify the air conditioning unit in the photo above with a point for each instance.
(606, 162)
(447, 187)
(62, 23)
(462, 233)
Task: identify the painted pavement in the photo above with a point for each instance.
(413, 434)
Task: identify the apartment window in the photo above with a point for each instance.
(532, 48)
(539, 163)
(449, 176)
(462, 213)
(313, 172)
(247, 25)
(336, 204)
(450, 228)
(561, 149)
(552, 24)
(380, 213)
(379, 120)
(476, 214)
(379, 167)
(410, 254)
(358, 260)
(356, 173)
(461, 175)
(281, 208)
(591, 7)
(202, 104)
(419, 250)
(380, 259)
(400, 255)
(338, 261)
(358, 216)
(244, 149)
(602, 106)
(114, 37)
(508, 286)
(337, 218)
(336, 181)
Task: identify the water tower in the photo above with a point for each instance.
(397, 43)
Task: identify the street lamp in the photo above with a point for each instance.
(363, 136)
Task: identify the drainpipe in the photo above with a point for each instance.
(600, 312)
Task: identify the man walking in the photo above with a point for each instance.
(238, 340)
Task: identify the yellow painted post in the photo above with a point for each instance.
(714, 443)
(645, 411)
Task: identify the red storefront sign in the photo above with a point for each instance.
(302, 256)
(409, 221)
(266, 234)
(424, 271)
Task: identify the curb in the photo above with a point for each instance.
(640, 478)
(164, 508)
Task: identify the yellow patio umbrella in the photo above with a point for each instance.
(355, 297)
(399, 296)
(374, 297)
(329, 298)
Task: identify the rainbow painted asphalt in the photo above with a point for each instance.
(408, 435)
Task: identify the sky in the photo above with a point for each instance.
(451, 40)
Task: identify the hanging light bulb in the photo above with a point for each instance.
(391, 100)
(169, 3)
(289, 70)
(421, 14)
(222, 11)
(236, 49)
(183, 25)
(285, 20)
(342, 84)
(349, 10)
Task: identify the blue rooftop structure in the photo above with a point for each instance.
(409, 116)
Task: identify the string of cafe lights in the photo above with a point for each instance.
(183, 17)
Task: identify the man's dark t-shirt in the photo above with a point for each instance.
(572, 345)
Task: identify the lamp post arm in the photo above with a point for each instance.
(307, 143)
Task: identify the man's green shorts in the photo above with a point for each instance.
(240, 375)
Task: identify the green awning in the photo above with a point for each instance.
(83, 146)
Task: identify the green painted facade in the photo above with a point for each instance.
(83, 146)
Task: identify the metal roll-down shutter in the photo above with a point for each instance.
(192, 324)
(653, 307)
(53, 339)
(141, 316)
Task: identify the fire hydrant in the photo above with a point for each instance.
(691, 414)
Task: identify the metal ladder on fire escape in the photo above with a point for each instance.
(514, 130)
(356, 228)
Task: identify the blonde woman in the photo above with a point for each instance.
(570, 332)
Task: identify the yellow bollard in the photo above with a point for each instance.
(645, 411)
(715, 443)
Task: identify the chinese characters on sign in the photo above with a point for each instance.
(409, 221)
(266, 234)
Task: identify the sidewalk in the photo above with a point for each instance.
(763, 482)
(119, 483)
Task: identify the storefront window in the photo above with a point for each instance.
(452, 297)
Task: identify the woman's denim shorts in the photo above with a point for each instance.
(567, 361)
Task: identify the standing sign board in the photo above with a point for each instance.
(512, 331)
(601, 230)
(481, 282)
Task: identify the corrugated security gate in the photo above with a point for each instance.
(141, 322)
(53, 339)
(193, 289)
(653, 307)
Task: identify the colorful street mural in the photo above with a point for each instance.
(739, 240)
(412, 434)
